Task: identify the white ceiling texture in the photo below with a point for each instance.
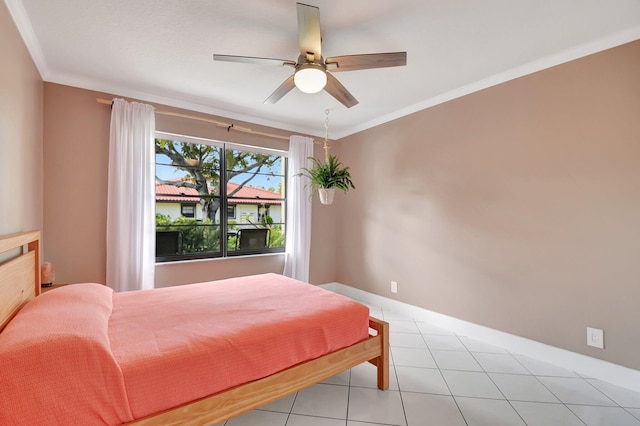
(161, 50)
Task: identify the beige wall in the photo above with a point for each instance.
(76, 146)
(20, 133)
(517, 207)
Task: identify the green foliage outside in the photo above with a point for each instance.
(204, 236)
(277, 236)
(197, 236)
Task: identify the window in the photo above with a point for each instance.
(197, 179)
(188, 210)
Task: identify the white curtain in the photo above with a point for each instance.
(130, 204)
(298, 217)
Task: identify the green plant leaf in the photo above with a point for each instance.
(329, 174)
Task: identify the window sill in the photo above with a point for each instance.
(219, 259)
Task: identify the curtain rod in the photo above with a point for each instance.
(228, 126)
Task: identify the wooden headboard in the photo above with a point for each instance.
(19, 276)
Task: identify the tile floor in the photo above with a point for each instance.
(440, 378)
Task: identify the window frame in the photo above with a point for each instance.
(223, 219)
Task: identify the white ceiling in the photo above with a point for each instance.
(161, 50)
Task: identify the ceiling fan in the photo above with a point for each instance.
(312, 71)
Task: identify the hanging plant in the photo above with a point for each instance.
(326, 177)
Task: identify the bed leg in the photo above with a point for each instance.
(382, 362)
(383, 366)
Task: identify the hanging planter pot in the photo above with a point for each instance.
(326, 195)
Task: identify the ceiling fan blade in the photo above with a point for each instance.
(368, 61)
(252, 60)
(309, 38)
(282, 90)
(338, 91)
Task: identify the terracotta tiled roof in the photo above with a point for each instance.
(172, 193)
(166, 192)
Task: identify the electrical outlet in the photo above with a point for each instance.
(394, 287)
(595, 337)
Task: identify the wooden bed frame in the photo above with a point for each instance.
(20, 282)
(19, 276)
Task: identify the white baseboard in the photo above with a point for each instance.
(584, 365)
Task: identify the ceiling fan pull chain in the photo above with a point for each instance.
(326, 136)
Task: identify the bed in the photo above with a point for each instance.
(84, 354)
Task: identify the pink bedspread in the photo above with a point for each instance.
(84, 355)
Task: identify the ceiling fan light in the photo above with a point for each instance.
(310, 78)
